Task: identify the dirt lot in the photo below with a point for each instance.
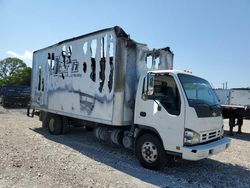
(30, 157)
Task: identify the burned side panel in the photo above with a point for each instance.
(131, 81)
(94, 76)
(137, 60)
(77, 77)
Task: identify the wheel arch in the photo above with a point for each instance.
(142, 129)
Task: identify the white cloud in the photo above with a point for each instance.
(26, 56)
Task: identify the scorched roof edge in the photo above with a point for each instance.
(118, 31)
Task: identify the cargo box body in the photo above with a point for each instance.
(239, 97)
(93, 77)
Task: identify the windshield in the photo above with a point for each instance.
(198, 91)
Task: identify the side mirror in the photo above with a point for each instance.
(148, 89)
(150, 84)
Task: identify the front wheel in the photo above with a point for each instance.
(150, 152)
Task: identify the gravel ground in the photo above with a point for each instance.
(30, 157)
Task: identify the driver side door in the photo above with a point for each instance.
(164, 111)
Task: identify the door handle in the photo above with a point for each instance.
(143, 114)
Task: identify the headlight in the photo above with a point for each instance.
(191, 137)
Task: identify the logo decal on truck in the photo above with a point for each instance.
(60, 65)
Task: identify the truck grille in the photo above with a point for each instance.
(210, 135)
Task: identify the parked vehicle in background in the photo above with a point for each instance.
(236, 107)
(223, 95)
(15, 96)
(130, 96)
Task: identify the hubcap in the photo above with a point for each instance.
(149, 152)
(51, 125)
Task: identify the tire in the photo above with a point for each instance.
(43, 116)
(55, 124)
(65, 125)
(150, 152)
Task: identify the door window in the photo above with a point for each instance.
(166, 91)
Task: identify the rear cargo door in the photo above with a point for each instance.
(39, 81)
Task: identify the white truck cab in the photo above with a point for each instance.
(184, 111)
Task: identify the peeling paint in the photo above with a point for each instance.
(94, 76)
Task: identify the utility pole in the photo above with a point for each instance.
(224, 85)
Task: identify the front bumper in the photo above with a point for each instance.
(198, 152)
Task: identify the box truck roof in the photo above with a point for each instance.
(119, 32)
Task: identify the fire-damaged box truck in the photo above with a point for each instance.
(129, 94)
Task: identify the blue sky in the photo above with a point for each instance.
(211, 38)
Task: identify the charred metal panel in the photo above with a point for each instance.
(131, 81)
(71, 83)
(94, 76)
(119, 81)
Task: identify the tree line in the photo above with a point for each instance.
(14, 71)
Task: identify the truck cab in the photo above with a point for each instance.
(183, 113)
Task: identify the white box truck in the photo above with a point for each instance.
(237, 107)
(129, 94)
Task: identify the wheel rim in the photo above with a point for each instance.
(51, 125)
(149, 152)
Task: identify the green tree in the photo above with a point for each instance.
(20, 77)
(9, 65)
(14, 71)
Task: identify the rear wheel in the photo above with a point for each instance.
(55, 124)
(65, 125)
(150, 152)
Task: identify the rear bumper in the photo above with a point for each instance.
(195, 153)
